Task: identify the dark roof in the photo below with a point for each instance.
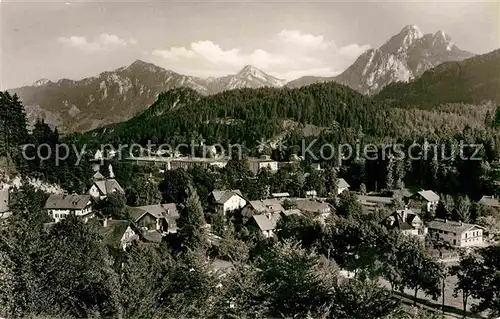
(64, 201)
(401, 219)
(223, 196)
(108, 186)
(114, 231)
(157, 211)
(153, 236)
(267, 205)
(313, 206)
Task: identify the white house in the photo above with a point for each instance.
(102, 187)
(407, 222)
(456, 233)
(266, 222)
(59, 206)
(342, 186)
(265, 161)
(227, 201)
(430, 199)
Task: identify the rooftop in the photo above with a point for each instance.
(429, 195)
(65, 201)
(490, 201)
(451, 226)
(267, 205)
(221, 196)
(267, 221)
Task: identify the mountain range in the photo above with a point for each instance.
(118, 95)
(405, 56)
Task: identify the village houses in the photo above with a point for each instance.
(457, 234)
(103, 186)
(490, 201)
(161, 218)
(407, 222)
(264, 161)
(342, 186)
(428, 198)
(118, 233)
(60, 206)
(226, 201)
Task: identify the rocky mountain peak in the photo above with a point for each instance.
(250, 70)
(400, 42)
(41, 82)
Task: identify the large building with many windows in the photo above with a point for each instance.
(457, 234)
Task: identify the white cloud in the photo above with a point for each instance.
(174, 53)
(305, 40)
(104, 42)
(291, 55)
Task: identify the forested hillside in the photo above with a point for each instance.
(473, 81)
(246, 115)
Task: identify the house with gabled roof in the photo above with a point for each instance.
(342, 186)
(255, 207)
(317, 208)
(118, 233)
(161, 217)
(265, 223)
(428, 197)
(60, 206)
(227, 200)
(103, 186)
(490, 201)
(457, 234)
(407, 222)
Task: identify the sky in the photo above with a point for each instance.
(78, 39)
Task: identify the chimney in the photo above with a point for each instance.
(105, 222)
(111, 173)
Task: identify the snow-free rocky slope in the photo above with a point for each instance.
(118, 95)
(405, 56)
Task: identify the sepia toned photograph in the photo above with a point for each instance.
(250, 159)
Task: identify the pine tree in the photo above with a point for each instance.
(488, 120)
(462, 209)
(496, 120)
(191, 222)
(13, 126)
(389, 180)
